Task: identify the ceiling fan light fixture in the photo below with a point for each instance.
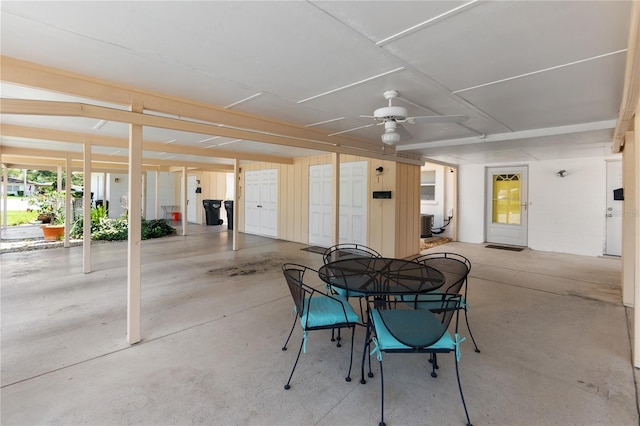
(390, 138)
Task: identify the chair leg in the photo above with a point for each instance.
(381, 396)
(470, 333)
(365, 352)
(287, 386)
(466, 413)
(433, 359)
(284, 348)
(353, 329)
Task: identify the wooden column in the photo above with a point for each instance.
(144, 194)
(68, 209)
(135, 240)
(86, 209)
(5, 186)
(635, 212)
(183, 201)
(236, 200)
(157, 189)
(59, 177)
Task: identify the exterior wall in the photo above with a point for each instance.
(393, 224)
(566, 215)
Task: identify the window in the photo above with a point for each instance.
(428, 185)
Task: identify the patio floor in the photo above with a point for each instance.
(552, 329)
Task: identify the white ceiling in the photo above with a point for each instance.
(537, 79)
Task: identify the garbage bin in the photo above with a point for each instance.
(228, 206)
(212, 211)
(103, 203)
(175, 216)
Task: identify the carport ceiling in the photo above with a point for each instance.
(536, 79)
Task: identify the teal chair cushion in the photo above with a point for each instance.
(321, 311)
(411, 329)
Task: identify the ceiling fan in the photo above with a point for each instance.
(392, 115)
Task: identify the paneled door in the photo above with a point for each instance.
(507, 204)
(320, 205)
(613, 242)
(261, 202)
(353, 203)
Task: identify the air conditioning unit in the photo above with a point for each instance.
(426, 223)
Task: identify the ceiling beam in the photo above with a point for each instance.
(11, 130)
(631, 91)
(44, 154)
(524, 134)
(48, 78)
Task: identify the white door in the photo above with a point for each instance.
(613, 241)
(261, 202)
(192, 199)
(320, 205)
(353, 204)
(507, 204)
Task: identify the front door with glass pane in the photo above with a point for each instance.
(507, 205)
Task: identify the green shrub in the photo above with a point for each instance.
(103, 228)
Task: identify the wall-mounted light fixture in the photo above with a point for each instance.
(561, 173)
(116, 180)
(379, 170)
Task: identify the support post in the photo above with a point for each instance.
(5, 200)
(236, 200)
(86, 209)
(183, 201)
(157, 189)
(68, 210)
(635, 212)
(135, 239)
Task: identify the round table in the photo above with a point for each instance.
(378, 276)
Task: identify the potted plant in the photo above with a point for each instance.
(50, 207)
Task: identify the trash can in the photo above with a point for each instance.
(103, 203)
(175, 216)
(228, 206)
(212, 211)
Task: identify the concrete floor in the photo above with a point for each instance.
(552, 330)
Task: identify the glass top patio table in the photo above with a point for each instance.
(381, 276)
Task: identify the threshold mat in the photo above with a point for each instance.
(314, 249)
(510, 248)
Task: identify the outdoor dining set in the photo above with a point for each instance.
(405, 305)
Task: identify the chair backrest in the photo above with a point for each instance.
(419, 328)
(348, 251)
(454, 267)
(294, 275)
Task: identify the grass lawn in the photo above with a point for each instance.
(19, 217)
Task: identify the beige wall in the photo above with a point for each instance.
(394, 225)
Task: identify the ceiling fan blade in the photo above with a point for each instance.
(369, 116)
(404, 134)
(354, 129)
(438, 118)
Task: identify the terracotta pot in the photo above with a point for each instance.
(52, 232)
